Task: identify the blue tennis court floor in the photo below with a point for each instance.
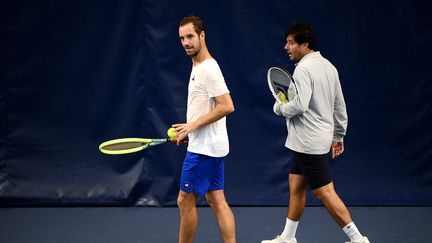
(154, 225)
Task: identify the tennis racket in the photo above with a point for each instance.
(131, 145)
(281, 84)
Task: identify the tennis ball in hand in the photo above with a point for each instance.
(171, 132)
(282, 97)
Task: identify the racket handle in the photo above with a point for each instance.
(174, 140)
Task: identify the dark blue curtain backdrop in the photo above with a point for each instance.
(77, 73)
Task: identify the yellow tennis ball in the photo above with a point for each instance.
(282, 97)
(171, 132)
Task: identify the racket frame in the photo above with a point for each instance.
(284, 88)
(146, 142)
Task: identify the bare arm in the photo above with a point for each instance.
(224, 106)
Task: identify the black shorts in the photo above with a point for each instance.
(314, 168)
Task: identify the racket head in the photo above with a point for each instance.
(280, 80)
(128, 145)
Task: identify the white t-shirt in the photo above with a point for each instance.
(206, 81)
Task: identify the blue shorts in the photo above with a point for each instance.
(202, 173)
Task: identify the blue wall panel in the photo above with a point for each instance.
(74, 74)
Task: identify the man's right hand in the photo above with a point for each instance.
(337, 149)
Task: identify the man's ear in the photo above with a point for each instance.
(305, 45)
(202, 35)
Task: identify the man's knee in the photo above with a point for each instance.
(210, 201)
(217, 205)
(325, 192)
(216, 200)
(186, 201)
(299, 197)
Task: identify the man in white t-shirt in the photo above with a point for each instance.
(209, 102)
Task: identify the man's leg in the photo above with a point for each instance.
(339, 212)
(224, 215)
(297, 204)
(188, 216)
(297, 200)
(333, 204)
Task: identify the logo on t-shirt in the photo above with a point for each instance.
(193, 78)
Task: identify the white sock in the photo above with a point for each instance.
(290, 229)
(352, 232)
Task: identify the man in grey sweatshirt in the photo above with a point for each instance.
(317, 121)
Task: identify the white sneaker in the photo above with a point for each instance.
(363, 240)
(278, 239)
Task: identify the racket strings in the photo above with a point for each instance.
(283, 82)
(278, 76)
(123, 146)
(280, 81)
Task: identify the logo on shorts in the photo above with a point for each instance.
(186, 185)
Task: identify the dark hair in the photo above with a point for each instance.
(302, 33)
(196, 21)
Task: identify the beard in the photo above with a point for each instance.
(193, 52)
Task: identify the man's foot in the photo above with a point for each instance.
(363, 240)
(278, 239)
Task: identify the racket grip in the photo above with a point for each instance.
(174, 140)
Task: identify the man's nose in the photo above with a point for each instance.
(186, 43)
